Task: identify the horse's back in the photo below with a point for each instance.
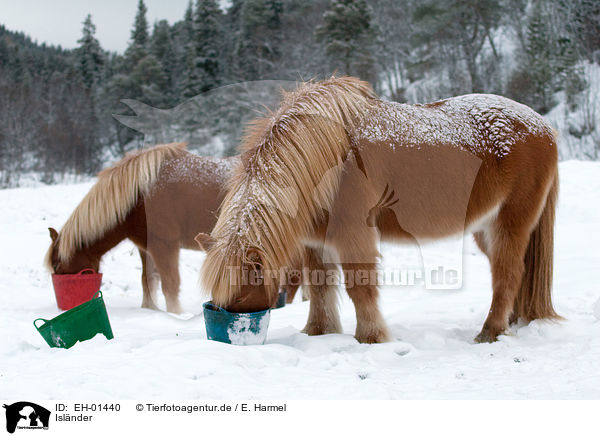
(483, 124)
(451, 163)
(186, 197)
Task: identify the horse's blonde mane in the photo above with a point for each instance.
(110, 200)
(284, 181)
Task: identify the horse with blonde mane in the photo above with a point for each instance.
(335, 168)
(158, 198)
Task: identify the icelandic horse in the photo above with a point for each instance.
(159, 198)
(335, 168)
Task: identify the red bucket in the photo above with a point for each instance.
(74, 289)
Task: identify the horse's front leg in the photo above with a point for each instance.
(370, 326)
(290, 291)
(323, 316)
(166, 259)
(294, 279)
(149, 281)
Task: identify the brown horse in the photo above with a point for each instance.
(336, 168)
(159, 198)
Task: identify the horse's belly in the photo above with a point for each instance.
(426, 193)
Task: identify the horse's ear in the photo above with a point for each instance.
(253, 257)
(205, 241)
(53, 234)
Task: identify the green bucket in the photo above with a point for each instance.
(81, 323)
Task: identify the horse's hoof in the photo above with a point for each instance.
(174, 307)
(316, 330)
(311, 330)
(488, 335)
(372, 339)
(377, 336)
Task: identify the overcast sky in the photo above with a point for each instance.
(59, 22)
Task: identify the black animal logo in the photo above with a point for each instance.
(33, 416)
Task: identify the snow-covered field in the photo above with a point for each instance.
(157, 356)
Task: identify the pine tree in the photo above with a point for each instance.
(204, 52)
(120, 86)
(150, 78)
(349, 36)
(181, 34)
(232, 36)
(189, 82)
(161, 45)
(209, 42)
(551, 58)
(90, 57)
(162, 48)
(538, 50)
(4, 52)
(138, 48)
(582, 20)
(257, 48)
(188, 23)
(139, 35)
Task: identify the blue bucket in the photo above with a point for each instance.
(236, 328)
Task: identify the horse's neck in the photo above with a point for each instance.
(108, 241)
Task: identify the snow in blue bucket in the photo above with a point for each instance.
(236, 328)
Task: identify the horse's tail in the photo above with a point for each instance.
(113, 196)
(534, 300)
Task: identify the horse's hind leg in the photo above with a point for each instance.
(166, 258)
(509, 243)
(149, 280)
(480, 239)
(323, 316)
(509, 236)
(370, 326)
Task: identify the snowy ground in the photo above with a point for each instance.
(157, 356)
